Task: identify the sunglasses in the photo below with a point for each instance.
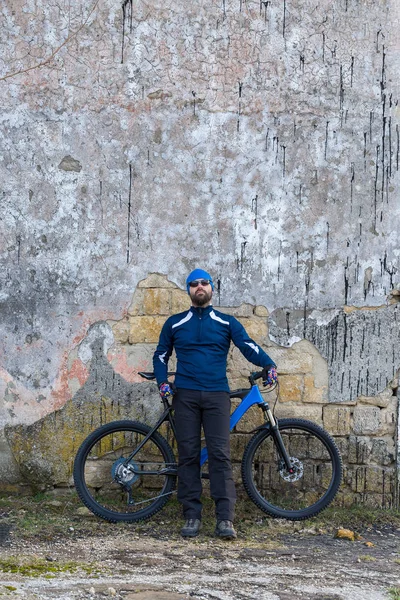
(203, 282)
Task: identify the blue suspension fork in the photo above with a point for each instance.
(252, 398)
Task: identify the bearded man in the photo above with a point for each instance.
(201, 338)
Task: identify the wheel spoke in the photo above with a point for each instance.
(116, 489)
(311, 483)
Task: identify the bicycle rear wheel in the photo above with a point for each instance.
(117, 490)
(316, 476)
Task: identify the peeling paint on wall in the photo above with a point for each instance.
(112, 353)
(258, 139)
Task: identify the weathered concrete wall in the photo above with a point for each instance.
(259, 139)
(113, 352)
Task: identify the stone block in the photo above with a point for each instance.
(359, 450)
(366, 419)
(253, 418)
(156, 301)
(343, 444)
(289, 361)
(239, 442)
(136, 305)
(389, 418)
(256, 328)
(374, 479)
(382, 400)
(238, 364)
(383, 451)
(291, 388)
(237, 381)
(314, 393)
(310, 412)
(261, 311)
(244, 310)
(156, 280)
(237, 473)
(121, 331)
(180, 301)
(358, 479)
(145, 329)
(372, 500)
(346, 499)
(337, 419)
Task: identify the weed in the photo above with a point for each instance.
(42, 519)
(366, 557)
(394, 593)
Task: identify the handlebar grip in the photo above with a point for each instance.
(256, 375)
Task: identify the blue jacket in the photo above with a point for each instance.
(201, 338)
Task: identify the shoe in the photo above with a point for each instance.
(225, 530)
(191, 528)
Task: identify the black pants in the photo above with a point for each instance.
(194, 408)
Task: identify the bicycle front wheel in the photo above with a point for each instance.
(115, 488)
(316, 470)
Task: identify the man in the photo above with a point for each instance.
(201, 338)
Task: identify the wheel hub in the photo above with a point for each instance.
(296, 472)
(122, 473)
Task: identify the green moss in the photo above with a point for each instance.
(39, 567)
(10, 588)
(394, 593)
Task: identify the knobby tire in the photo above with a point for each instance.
(103, 451)
(317, 463)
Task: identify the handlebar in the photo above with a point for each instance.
(150, 376)
(254, 376)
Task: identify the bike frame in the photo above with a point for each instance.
(253, 397)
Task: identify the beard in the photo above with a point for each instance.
(201, 298)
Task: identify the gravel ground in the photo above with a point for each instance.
(138, 563)
(55, 554)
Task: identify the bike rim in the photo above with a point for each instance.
(127, 489)
(312, 484)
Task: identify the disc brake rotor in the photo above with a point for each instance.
(124, 474)
(297, 470)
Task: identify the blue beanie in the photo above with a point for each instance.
(198, 274)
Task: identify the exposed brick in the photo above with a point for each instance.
(180, 301)
(243, 310)
(253, 418)
(156, 301)
(310, 412)
(136, 306)
(145, 329)
(367, 419)
(256, 327)
(291, 388)
(337, 419)
(121, 331)
(359, 449)
(261, 311)
(290, 361)
(382, 400)
(313, 393)
(374, 479)
(156, 280)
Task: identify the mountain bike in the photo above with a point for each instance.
(126, 470)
